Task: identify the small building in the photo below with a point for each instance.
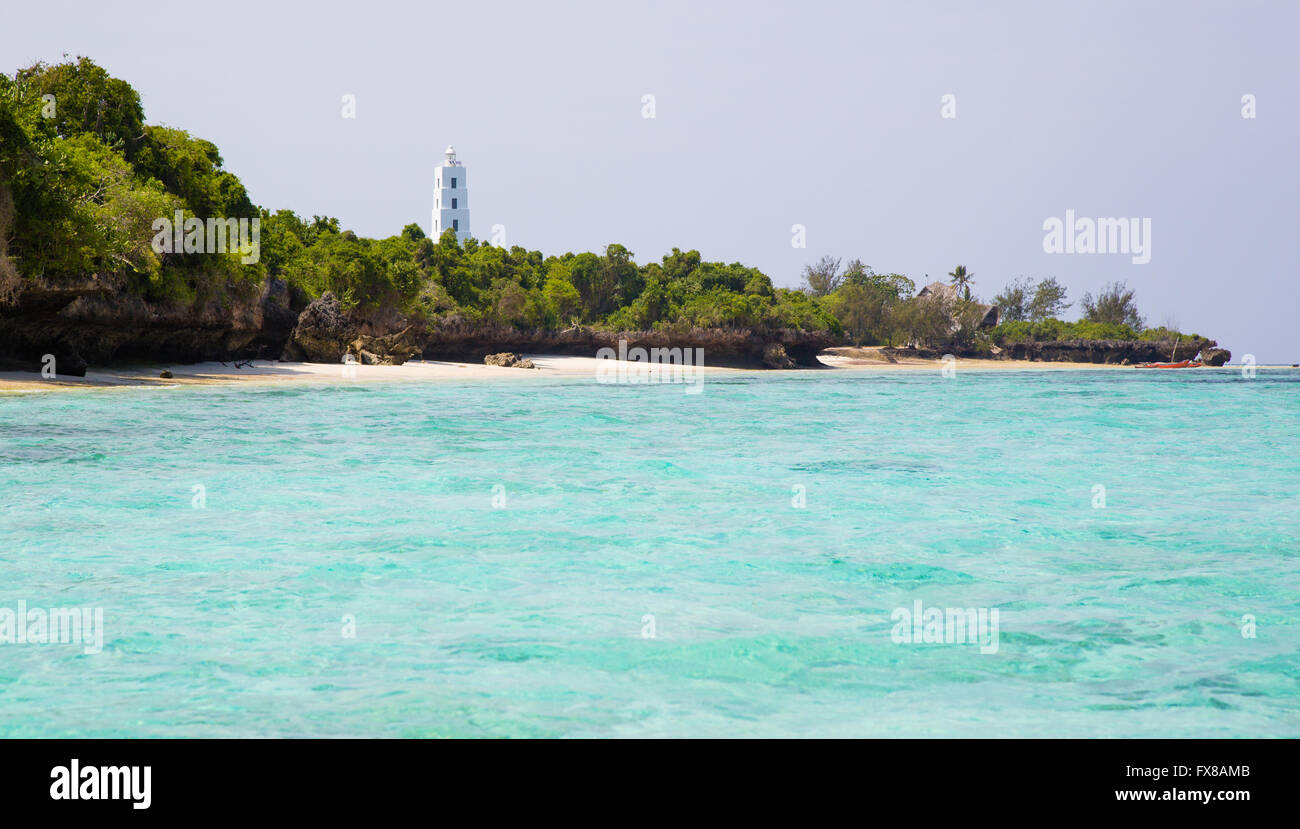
(990, 315)
(450, 199)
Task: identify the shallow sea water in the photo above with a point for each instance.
(566, 558)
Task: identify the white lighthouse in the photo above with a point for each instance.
(450, 201)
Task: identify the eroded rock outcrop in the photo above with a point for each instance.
(388, 349)
(322, 333)
(1116, 351)
(1215, 356)
(774, 356)
(95, 321)
(508, 359)
(456, 338)
(325, 333)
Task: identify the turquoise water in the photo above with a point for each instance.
(529, 617)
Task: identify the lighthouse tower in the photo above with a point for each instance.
(450, 201)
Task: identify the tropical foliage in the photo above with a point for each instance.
(1021, 300)
(1114, 306)
(83, 177)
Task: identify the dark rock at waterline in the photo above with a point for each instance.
(457, 338)
(775, 356)
(508, 359)
(58, 360)
(165, 374)
(278, 319)
(71, 364)
(67, 362)
(322, 333)
(1215, 356)
(96, 320)
(1111, 352)
(388, 349)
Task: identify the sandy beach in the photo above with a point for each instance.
(266, 371)
(872, 357)
(270, 371)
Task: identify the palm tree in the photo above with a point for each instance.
(962, 280)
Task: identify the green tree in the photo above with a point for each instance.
(760, 284)
(590, 279)
(864, 313)
(962, 279)
(1113, 306)
(1048, 302)
(822, 277)
(923, 321)
(87, 100)
(867, 303)
(80, 194)
(511, 304)
(679, 266)
(1013, 301)
(856, 271)
(563, 299)
(191, 168)
(621, 277)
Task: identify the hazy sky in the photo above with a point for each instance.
(767, 115)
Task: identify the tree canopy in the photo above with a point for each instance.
(83, 178)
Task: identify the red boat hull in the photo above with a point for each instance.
(1183, 364)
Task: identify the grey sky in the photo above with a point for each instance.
(767, 115)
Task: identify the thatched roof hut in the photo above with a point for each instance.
(989, 314)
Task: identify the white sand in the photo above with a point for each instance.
(980, 364)
(265, 371)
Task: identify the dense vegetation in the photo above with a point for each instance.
(1029, 315)
(881, 309)
(83, 178)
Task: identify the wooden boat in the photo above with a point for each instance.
(1171, 364)
(1183, 364)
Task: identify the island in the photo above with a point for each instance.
(114, 250)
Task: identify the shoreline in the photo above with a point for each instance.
(270, 372)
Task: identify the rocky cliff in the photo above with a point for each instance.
(1121, 352)
(1105, 352)
(95, 322)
